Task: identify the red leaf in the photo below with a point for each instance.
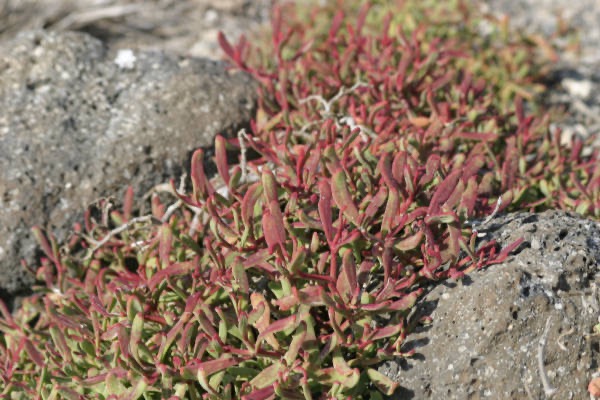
(240, 276)
(302, 50)
(442, 81)
(503, 255)
(200, 185)
(343, 198)
(410, 242)
(398, 166)
(362, 15)
(519, 109)
(278, 326)
(7, 315)
(391, 211)
(405, 303)
(443, 192)
(310, 169)
(313, 296)
(43, 242)
(226, 47)
(172, 270)
(472, 166)
(594, 387)
(122, 334)
(469, 197)
(274, 230)
(336, 23)
(442, 218)
(432, 166)
(165, 245)
(209, 367)
(349, 269)
(348, 238)
(347, 284)
(248, 203)
(269, 186)
(376, 202)
(35, 355)
(158, 209)
(386, 332)
(221, 158)
(510, 167)
(128, 203)
(325, 210)
(96, 304)
(454, 236)
(479, 136)
(385, 167)
(266, 393)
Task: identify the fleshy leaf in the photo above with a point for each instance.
(443, 192)
(342, 197)
(165, 245)
(201, 187)
(325, 210)
(221, 158)
(410, 242)
(382, 382)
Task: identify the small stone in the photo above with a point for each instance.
(578, 88)
(125, 59)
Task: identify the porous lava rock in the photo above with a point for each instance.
(77, 124)
(484, 340)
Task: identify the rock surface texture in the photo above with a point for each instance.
(76, 124)
(484, 341)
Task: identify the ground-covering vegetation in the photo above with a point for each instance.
(383, 131)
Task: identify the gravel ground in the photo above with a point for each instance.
(184, 27)
(575, 81)
(544, 16)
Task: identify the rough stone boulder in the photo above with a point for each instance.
(517, 330)
(77, 124)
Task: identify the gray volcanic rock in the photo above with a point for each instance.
(484, 341)
(76, 125)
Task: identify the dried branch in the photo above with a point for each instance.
(548, 389)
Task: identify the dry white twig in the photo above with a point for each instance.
(106, 211)
(175, 206)
(171, 210)
(195, 223)
(327, 104)
(528, 390)
(489, 218)
(493, 214)
(562, 336)
(349, 121)
(242, 137)
(339, 120)
(548, 389)
(116, 231)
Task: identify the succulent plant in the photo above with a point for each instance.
(382, 133)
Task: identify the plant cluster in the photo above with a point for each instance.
(381, 134)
